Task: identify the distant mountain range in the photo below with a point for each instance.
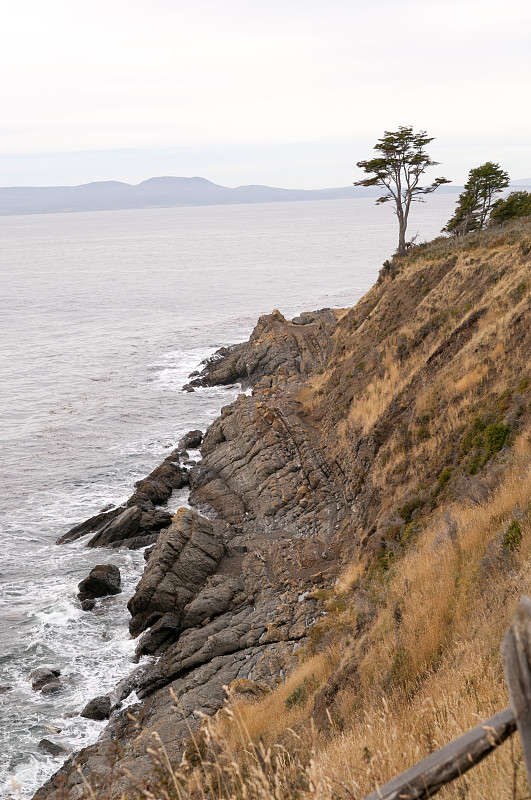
(161, 193)
(168, 192)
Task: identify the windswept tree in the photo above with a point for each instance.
(398, 168)
(477, 199)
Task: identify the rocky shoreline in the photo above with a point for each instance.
(228, 591)
(361, 429)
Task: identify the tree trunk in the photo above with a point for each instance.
(402, 226)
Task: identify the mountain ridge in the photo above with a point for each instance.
(160, 192)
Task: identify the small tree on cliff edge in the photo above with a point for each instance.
(477, 198)
(398, 168)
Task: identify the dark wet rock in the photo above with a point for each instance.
(88, 605)
(51, 748)
(42, 675)
(184, 555)
(92, 525)
(158, 486)
(122, 527)
(147, 552)
(137, 542)
(5, 688)
(52, 687)
(103, 580)
(191, 440)
(98, 708)
(160, 635)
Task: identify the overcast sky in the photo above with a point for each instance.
(283, 92)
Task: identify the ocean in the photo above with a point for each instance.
(103, 316)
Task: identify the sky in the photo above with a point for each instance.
(286, 93)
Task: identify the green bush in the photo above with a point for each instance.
(406, 511)
(495, 437)
(513, 537)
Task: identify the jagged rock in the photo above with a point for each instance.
(118, 529)
(228, 599)
(42, 675)
(91, 525)
(160, 635)
(51, 748)
(252, 613)
(185, 554)
(154, 520)
(88, 605)
(129, 684)
(191, 440)
(98, 708)
(103, 580)
(158, 486)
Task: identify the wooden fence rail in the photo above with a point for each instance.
(445, 765)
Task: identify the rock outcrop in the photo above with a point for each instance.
(137, 523)
(186, 553)
(276, 348)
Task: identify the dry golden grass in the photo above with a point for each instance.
(270, 716)
(367, 408)
(472, 375)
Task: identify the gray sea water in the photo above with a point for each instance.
(103, 316)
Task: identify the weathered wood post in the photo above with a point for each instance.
(516, 655)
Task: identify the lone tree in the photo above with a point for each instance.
(477, 199)
(398, 168)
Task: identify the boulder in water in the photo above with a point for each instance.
(98, 708)
(103, 580)
(42, 676)
(51, 748)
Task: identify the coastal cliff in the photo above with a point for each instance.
(368, 436)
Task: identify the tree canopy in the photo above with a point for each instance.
(517, 204)
(398, 168)
(477, 199)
